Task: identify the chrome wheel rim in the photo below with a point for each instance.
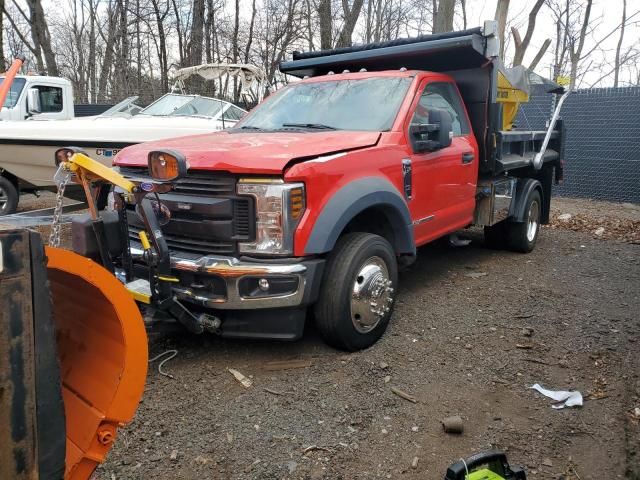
(371, 295)
(533, 221)
(3, 198)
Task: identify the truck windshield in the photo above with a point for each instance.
(14, 92)
(367, 104)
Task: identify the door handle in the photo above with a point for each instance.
(467, 157)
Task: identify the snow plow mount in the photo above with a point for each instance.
(94, 177)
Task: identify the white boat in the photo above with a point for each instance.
(27, 148)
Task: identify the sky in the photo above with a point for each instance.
(606, 15)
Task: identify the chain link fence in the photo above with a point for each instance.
(602, 158)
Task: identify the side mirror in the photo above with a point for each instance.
(33, 101)
(434, 135)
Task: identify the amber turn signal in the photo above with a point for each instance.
(297, 202)
(165, 165)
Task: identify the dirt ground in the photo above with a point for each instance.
(473, 329)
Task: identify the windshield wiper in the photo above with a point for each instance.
(315, 126)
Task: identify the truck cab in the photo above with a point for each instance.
(35, 97)
(309, 205)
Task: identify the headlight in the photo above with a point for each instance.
(279, 208)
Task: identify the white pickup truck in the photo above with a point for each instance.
(38, 97)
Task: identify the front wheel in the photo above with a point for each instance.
(358, 291)
(8, 196)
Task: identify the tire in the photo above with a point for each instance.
(363, 262)
(495, 236)
(8, 196)
(522, 236)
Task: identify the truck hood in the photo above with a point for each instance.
(251, 152)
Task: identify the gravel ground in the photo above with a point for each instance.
(472, 330)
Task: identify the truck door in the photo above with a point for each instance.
(444, 181)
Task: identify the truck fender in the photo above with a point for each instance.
(354, 198)
(524, 187)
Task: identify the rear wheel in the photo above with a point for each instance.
(522, 236)
(358, 291)
(8, 196)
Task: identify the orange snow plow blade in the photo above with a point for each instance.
(102, 348)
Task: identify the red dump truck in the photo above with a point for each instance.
(309, 205)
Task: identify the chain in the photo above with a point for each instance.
(61, 181)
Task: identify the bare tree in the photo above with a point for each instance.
(41, 36)
(521, 44)
(351, 15)
(197, 33)
(616, 73)
(577, 44)
(326, 24)
(443, 16)
(3, 62)
(502, 11)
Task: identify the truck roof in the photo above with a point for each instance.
(45, 78)
(346, 75)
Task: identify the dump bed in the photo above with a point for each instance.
(471, 58)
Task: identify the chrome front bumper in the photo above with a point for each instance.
(232, 270)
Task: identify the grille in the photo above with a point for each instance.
(188, 244)
(196, 183)
(241, 216)
(207, 217)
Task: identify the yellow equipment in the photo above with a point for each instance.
(510, 97)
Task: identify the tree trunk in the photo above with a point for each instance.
(107, 62)
(502, 11)
(576, 53)
(309, 26)
(41, 36)
(3, 62)
(162, 46)
(138, 49)
(350, 18)
(444, 16)
(236, 50)
(326, 24)
(247, 49)
(123, 57)
(92, 52)
(208, 25)
(176, 12)
(540, 54)
(521, 46)
(197, 33)
(616, 73)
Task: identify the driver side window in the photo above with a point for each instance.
(50, 99)
(444, 96)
